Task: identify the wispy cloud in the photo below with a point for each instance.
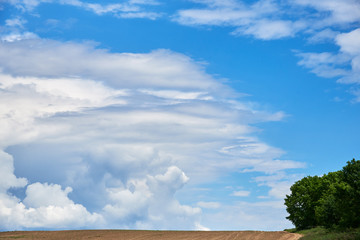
(319, 21)
(126, 9)
(14, 30)
(241, 193)
(259, 19)
(268, 20)
(344, 65)
(338, 12)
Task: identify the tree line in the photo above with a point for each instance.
(331, 201)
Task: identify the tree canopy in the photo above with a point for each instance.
(332, 200)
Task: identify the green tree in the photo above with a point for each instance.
(332, 200)
(349, 195)
(303, 200)
(327, 209)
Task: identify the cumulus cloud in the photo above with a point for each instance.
(111, 138)
(45, 206)
(16, 215)
(9, 180)
(38, 195)
(155, 196)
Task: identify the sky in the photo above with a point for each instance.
(175, 115)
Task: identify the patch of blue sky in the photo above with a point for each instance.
(224, 190)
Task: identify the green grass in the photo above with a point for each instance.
(320, 233)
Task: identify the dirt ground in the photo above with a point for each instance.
(149, 235)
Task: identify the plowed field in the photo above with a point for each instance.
(150, 235)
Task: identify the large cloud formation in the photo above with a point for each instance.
(93, 139)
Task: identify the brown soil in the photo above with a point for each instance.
(150, 235)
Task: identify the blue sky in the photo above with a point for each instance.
(152, 114)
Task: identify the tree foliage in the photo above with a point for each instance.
(332, 201)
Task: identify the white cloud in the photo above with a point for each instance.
(15, 22)
(14, 30)
(269, 20)
(213, 17)
(38, 195)
(255, 19)
(146, 2)
(128, 202)
(346, 11)
(210, 205)
(241, 193)
(326, 35)
(126, 9)
(279, 184)
(125, 132)
(45, 206)
(110, 8)
(349, 42)
(154, 195)
(344, 65)
(118, 70)
(15, 215)
(28, 5)
(149, 15)
(269, 29)
(324, 64)
(16, 36)
(8, 179)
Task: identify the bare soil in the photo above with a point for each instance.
(150, 235)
